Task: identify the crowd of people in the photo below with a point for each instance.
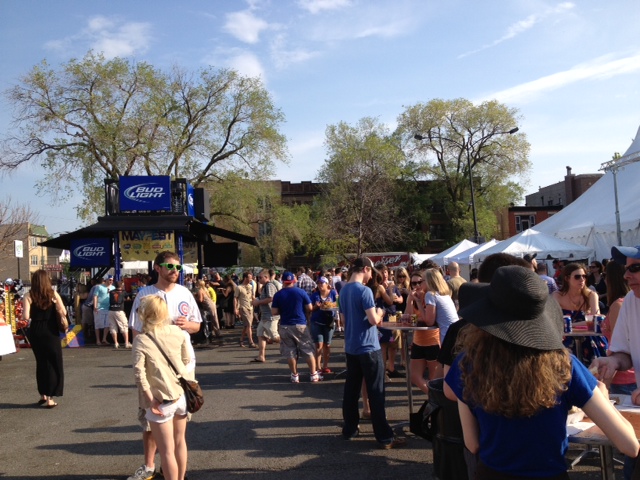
(497, 340)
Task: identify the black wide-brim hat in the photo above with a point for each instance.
(517, 308)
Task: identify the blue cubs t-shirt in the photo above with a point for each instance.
(359, 335)
(320, 316)
(290, 301)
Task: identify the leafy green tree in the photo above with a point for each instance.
(450, 140)
(95, 118)
(359, 209)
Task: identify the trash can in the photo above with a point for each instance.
(448, 443)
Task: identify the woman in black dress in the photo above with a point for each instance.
(40, 311)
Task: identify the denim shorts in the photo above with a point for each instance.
(322, 333)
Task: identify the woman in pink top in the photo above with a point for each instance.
(624, 382)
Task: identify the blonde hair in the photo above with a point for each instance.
(153, 313)
(436, 282)
(405, 283)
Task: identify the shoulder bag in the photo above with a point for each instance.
(192, 391)
(61, 313)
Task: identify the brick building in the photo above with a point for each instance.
(34, 255)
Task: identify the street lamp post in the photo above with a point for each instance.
(468, 148)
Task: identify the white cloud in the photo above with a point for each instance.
(283, 57)
(247, 64)
(522, 26)
(316, 6)
(245, 26)
(109, 36)
(597, 69)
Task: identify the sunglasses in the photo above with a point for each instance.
(172, 266)
(401, 276)
(577, 276)
(633, 268)
(415, 284)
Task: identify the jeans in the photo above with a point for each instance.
(369, 366)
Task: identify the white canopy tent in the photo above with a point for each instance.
(469, 257)
(139, 266)
(443, 257)
(591, 221)
(532, 241)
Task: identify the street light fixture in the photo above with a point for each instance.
(468, 148)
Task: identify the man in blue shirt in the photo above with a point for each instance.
(293, 304)
(364, 357)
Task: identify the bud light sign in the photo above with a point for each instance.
(91, 252)
(138, 193)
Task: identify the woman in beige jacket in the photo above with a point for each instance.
(158, 384)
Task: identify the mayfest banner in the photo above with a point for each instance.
(145, 244)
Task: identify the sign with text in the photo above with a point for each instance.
(91, 252)
(18, 247)
(145, 194)
(145, 244)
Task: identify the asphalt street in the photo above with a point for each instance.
(254, 424)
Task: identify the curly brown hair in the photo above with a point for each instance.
(510, 380)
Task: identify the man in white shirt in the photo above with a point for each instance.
(625, 340)
(184, 313)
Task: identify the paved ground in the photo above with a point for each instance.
(254, 423)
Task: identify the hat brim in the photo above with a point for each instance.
(620, 254)
(541, 333)
(471, 292)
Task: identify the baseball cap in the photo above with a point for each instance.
(344, 269)
(109, 277)
(620, 254)
(361, 262)
(323, 280)
(529, 257)
(288, 277)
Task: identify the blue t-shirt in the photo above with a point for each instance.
(322, 317)
(528, 446)
(103, 297)
(290, 301)
(359, 335)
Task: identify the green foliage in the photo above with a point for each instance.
(459, 140)
(95, 118)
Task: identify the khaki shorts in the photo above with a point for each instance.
(100, 319)
(268, 329)
(246, 316)
(87, 315)
(118, 321)
(295, 339)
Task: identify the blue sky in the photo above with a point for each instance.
(571, 68)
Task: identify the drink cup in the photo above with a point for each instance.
(406, 319)
(590, 325)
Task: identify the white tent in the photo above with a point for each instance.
(139, 266)
(590, 220)
(532, 241)
(442, 258)
(469, 257)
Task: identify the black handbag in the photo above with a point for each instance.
(192, 391)
(423, 422)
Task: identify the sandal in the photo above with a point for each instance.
(257, 360)
(51, 405)
(253, 345)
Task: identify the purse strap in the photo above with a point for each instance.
(165, 356)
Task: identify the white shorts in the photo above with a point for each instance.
(178, 407)
(100, 318)
(117, 321)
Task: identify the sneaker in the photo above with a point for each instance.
(353, 435)
(395, 443)
(295, 378)
(128, 345)
(316, 377)
(395, 374)
(143, 474)
(116, 346)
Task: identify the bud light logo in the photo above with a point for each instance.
(190, 200)
(144, 193)
(138, 193)
(91, 252)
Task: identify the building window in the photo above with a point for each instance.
(524, 222)
(33, 242)
(34, 261)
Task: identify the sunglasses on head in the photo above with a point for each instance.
(414, 284)
(577, 276)
(633, 268)
(172, 266)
